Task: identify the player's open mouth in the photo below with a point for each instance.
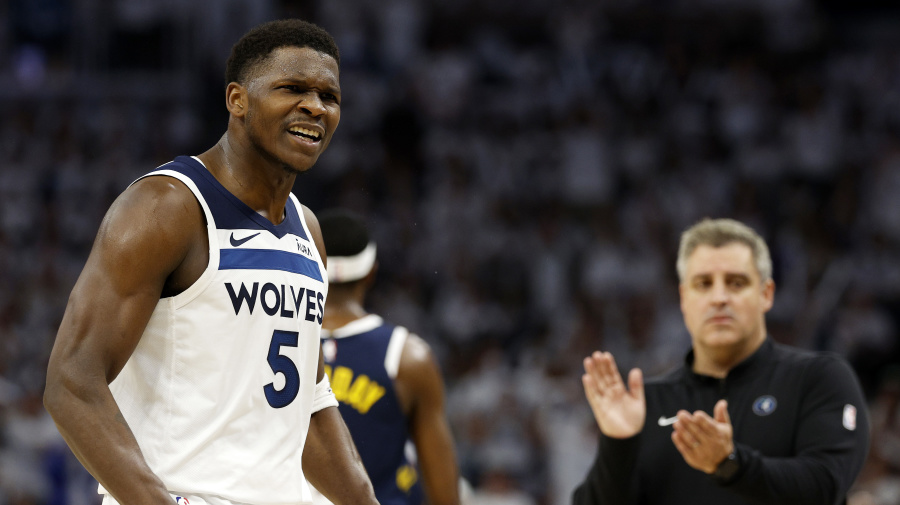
(304, 133)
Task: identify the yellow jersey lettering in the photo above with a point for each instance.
(340, 383)
(406, 477)
(360, 393)
(373, 393)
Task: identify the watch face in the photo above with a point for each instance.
(728, 468)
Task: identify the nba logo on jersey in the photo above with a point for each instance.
(849, 417)
(329, 350)
(181, 501)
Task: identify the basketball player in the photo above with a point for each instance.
(187, 366)
(385, 378)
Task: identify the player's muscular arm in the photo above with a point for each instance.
(148, 233)
(421, 391)
(330, 460)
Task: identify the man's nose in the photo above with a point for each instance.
(312, 104)
(720, 293)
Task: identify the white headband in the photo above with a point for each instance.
(351, 268)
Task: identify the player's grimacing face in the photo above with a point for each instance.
(294, 105)
(723, 300)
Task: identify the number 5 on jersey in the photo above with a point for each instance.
(280, 363)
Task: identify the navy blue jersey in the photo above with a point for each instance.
(361, 359)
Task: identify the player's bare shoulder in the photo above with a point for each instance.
(312, 222)
(416, 352)
(419, 383)
(158, 226)
(159, 202)
(419, 370)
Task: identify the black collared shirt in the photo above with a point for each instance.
(801, 433)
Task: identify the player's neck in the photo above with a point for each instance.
(263, 188)
(718, 362)
(341, 313)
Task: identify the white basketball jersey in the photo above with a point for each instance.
(219, 390)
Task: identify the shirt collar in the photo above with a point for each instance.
(366, 323)
(752, 362)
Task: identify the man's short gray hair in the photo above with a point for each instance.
(720, 232)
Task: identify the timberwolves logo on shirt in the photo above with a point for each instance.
(849, 418)
(329, 350)
(764, 405)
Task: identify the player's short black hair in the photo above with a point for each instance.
(257, 44)
(344, 232)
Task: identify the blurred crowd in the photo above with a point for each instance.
(526, 168)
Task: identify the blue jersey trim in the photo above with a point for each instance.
(228, 210)
(266, 259)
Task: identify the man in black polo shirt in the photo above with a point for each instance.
(746, 420)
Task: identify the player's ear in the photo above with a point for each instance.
(236, 99)
(768, 294)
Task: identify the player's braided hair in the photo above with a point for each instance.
(257, 44)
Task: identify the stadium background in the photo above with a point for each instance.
(526, 167)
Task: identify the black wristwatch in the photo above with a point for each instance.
(728, 469)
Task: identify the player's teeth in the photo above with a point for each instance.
(304, 131)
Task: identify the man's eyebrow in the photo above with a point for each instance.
(727, 274)
(310, 80)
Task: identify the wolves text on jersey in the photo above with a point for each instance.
(284, 301)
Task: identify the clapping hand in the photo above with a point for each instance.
(620, 412)
(702, 440)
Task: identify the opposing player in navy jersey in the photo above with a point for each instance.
(187, 366)
(386, 379)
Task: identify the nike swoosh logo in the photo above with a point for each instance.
(236, 243)
(667, 421)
